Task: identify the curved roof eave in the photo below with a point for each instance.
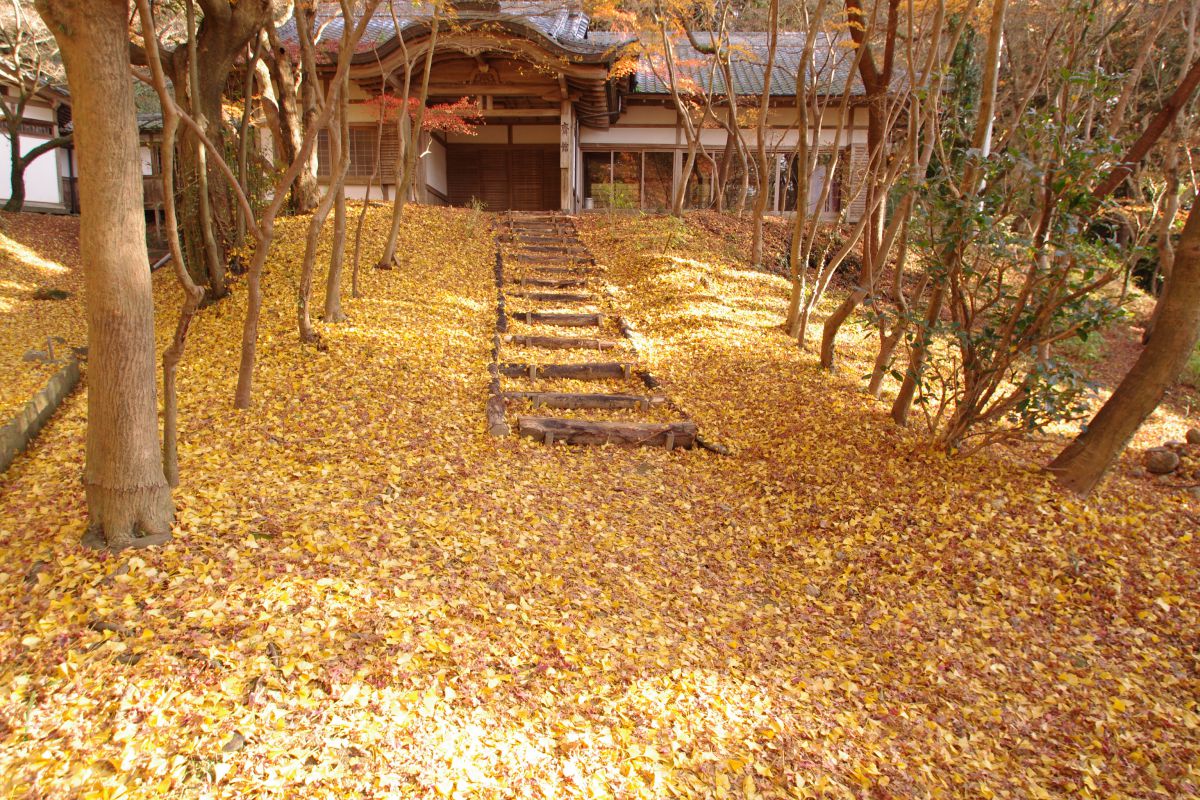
(591, 54)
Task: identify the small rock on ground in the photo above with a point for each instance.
(1161, 461)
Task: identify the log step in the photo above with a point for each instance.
(534, 258)
(551, 283)
(555, 231)
(551, 248)
(549, 430)
(554, 297)
(562, 318)
(545, 236)
(587, 371)
(575, 271)
(560, 342)
(583, 400)
(537, 219)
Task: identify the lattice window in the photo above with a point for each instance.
(362, 152)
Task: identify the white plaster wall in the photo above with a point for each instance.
(39, 113)
(628, 136)
(647, 115)
(147, 160)
(42, 183)
(435, 167)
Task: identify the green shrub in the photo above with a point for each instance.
(1191, 372)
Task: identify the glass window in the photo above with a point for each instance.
(597, 178)
(658, 170)
(627, 180)
(700, 189)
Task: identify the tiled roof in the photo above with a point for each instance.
(831, 67)
(565, 24)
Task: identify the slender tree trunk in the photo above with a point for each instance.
(764, 176)
(362, 214)
(315, 224)
(214, 257)
(877, 80)
(16, 198)
(333, 283)
(952, 255)
(410, 136)
(244, 137)
(192, 293)
(128, 498)
(305, 191)
(1082, 465)
(1165, 248)
(266, 226)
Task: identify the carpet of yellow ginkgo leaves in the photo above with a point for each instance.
(37, 251)
(368, 597)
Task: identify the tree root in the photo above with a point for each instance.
(94, 539)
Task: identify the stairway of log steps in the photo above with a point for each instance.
(553, 338)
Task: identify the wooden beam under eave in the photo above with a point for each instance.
(518, 112)
(505, 90)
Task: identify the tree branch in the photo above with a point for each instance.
(45, 147)
(1153, 132)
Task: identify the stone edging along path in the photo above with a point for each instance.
(19, 431)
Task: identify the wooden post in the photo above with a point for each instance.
(566, 155)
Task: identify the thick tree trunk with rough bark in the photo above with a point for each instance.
(1085, 461)
(129, 501)
(305, 193)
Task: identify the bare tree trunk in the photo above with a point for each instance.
(1082, 465)
(981, 143)
(333, 282)
(128, 498)
(305, 192)
(1171, 166)
(214, 257)
(362, 214)
(1165, 248)
(220, 41)
(266, 226)
(410, 136)
(243, 162)
(337, 180)
(685, 118)
(192, 293)
(877, 80)
(16, 175)
(760, 198)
